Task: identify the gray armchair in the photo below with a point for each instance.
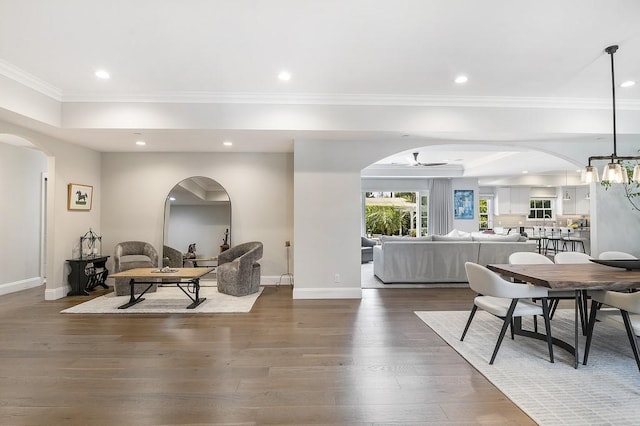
(238, 269)
(171, 257)
(367, 249)
(129, 255)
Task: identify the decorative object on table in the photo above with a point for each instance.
(238, 269)
(463, 204)
(90, 245)
(130, 255)
(225, 241)
(189, 255)
(615, 170)
(628, 264)
(79, 197)
(287, 246)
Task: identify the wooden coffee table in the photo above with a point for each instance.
(189, 277)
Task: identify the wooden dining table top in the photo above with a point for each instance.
(578, 276)
(143, 273)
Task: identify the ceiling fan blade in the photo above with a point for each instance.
(417, 163)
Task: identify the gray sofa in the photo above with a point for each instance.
(440, 259)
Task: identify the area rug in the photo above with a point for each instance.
(168, 300)
(604, 392)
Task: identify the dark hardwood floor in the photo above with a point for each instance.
(331, 362)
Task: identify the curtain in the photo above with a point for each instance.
(440, 206)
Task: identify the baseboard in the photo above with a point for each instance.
(327, 293)
(20, 285)
(276, 280)
(56, 293)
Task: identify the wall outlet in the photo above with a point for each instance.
(336, 278)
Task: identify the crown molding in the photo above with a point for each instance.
(352, 100)
(20, 76)
(269, 98)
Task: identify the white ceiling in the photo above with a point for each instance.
(338, 52)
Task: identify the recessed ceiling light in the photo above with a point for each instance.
(628, 83)
(227, 143)
(524, 172)
(284, 76)
(461, 79)
(141, 143)
(102, 74)
(172, 198)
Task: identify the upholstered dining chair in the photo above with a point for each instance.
(129, 255)
(615, 255)
(238, 270)
(505, 300)
(528, 258)
(628, 305)
(567, 257)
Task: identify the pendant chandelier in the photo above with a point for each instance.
(614, 171)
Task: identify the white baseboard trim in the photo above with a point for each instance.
(56, 293)
(276, 280)
(327, 293)
(20, 285)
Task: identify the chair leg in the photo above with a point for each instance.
(592, 322)
(547, 326)
(632, 337)
(511, 328)
(507, 321)
(471, 314)
(554, 306)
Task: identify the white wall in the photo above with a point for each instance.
(21, 172)
(260, 187)
(617, 225)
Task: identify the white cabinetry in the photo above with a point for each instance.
(512, 200)
(578, 204)
(582, 202)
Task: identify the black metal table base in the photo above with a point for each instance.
(196, 299)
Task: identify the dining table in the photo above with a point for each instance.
(580, 278)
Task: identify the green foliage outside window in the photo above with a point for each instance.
(385, 220)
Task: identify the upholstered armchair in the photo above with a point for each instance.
(171, 257)
(129, 255)
(238, 269)
(367, 249)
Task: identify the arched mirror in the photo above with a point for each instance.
(197, 211)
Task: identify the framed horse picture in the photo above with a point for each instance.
(79, 197)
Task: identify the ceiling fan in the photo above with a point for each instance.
(418, 163)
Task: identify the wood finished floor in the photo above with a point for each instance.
(288, 362)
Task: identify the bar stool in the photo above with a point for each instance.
(573, 240)
(553, 239)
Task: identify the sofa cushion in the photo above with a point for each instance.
(388, 238)
(489, 237)
(448, 238)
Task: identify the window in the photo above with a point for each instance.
(540, 208)
(484, 214)
(424, 215)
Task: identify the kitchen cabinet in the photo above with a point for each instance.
(512, 200)
(582, 202)
(578, 204)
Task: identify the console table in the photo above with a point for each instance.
(86, 274)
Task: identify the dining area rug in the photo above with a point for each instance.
(168, 300)
(604, 392)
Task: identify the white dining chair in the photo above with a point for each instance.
(569, 257)
(628, 305)
(615, 255)
(528, 258)
(505, 300)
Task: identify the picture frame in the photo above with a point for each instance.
(80, 197)
(463, 204)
